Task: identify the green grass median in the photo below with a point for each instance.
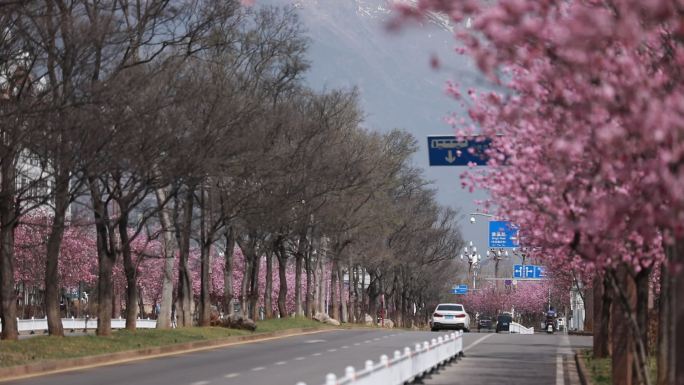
(36, 349)
(600, 369)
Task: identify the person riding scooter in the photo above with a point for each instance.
(550, 324)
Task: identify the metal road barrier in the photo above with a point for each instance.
(403, 366)
(515, 327)
(40, 324)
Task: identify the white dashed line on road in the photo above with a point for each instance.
(281, 363)
(231, 375)
(258, 368)
(357, 343)
(345, 347)
(200, 383)
(299, 358)
(560, 378)
(367, 341)
(332, 350)
(316, 354)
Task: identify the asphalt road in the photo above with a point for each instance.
(494, 358)
(512, 359)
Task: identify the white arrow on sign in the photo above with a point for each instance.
(450, 157)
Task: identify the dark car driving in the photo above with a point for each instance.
(484, 323)
(503, 323)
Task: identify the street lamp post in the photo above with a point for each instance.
(470, 253)
(497, 255)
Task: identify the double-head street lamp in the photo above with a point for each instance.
(470, 253)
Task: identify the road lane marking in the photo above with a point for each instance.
(357, 343)
(477, 342)
(200, 383)
(313, 341)
(231, 375)
(299, 358)
(367, 341)
(560, 378)
(316, 354)
(281, 363)
(258, 368)
(332, 350)
(345, 347)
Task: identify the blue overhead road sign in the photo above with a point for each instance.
(503, 234)
(460, 289)
(528, 272)
(449, 150)
(517, 271)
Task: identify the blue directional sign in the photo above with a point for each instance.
(503, 234)
(528, 272)
(517, 271)
(460, 290)
(449, 150)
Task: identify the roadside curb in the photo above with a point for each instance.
(71, 364)
(584, 377)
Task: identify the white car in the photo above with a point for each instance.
(450, 316)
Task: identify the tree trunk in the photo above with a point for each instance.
(352, 292)
(166, 305)
(302, 249)
(623, 337)
(254, 287)
(309, 284)
(246, 274)
(8, 313)
(205, 280)
(589, 307)
(268, 290)
(334, 292)
(282, 276)
(129, 270)
(8, 308)
(642, 292)
(206, 240)
(54, 243)
(602, 305)
(677, 290)
(106, 257)
(343, 301)
(362, 308)
(322, 282)
(184, 307)
(664, 350)
(228, 293)
(373, 298)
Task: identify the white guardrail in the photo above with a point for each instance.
(404, 366)
(518, 328)
(40, 324)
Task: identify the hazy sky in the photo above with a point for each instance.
(351, 48)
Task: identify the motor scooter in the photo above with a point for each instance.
(549, 326)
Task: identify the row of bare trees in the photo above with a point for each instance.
(189, 120)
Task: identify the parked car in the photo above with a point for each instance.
(450, 316)
(485, 323)
(503, 323)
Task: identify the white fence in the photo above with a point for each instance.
(404, 366)
(518, 328)
(40, 324)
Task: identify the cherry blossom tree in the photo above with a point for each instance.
(587, 152)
